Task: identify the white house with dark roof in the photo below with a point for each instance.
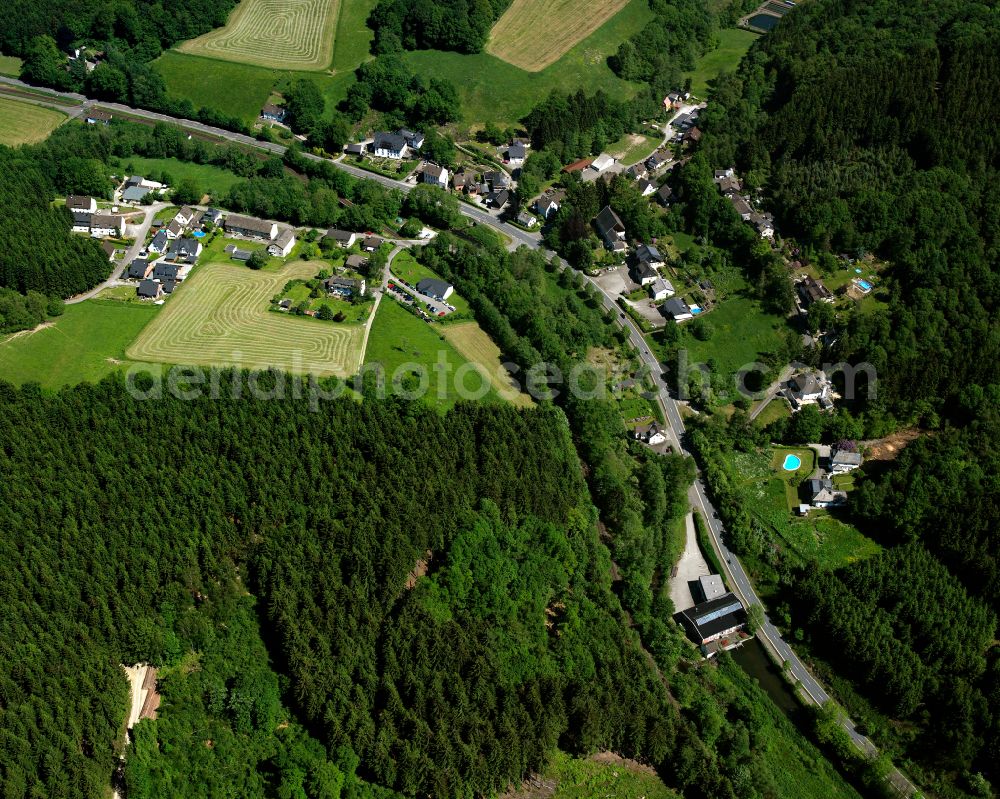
(822, 493)
(675, 308)
(174, 230)
(660, 289)
(76, 202)
(546, 206)
(250, 227)
(651, 434)
(645, 275)
(843, 461)
(107, 225)
(344, 238)
(646, 187)
(648, 254)
(435, 175)
(273, 113)
(389, 145)
(282, 243)
(516, 153)
(81, 221)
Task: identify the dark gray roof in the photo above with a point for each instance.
(647, 253)
(82, 218)
(516, 151)
(148, 288)
(159, 240)
(355, 262)
(433, 287)
(712, 617)
(609, 222)
(137, 269)
(165, 271)
(339, 235)
(675, 306)
(389, 141)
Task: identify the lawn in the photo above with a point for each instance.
(405, 267)
(211, 179)
(633, 147)
(770, 494)
(472, 343)
(10, 65)
(86, 343)
(282, 34)
(494, 91)
(220, 317)
(776, 409)
(532, 34)
(408, 349)
(733, 45)
(354, 37)
(25, 123)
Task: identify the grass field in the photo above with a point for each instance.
(492, 90)
(472, 343)
(212, 179)
(86, 343)
(283, 34)
(25, 123)
(633, 147)
(10, 65)
(405, 346)
(219, 317)
(532, 34)
(733, 44)
(776, 409)
(405, 267)
(354, 37)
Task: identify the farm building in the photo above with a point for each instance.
(250, 227)
(714, 619)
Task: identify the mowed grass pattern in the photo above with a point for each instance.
(285, 34)
(220, 317)
(477, 347)
(24, 123)
(532, 34)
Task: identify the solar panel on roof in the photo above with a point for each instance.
(717, 614)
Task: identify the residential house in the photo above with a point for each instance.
(645, 275)
(711, 587)
(413, 138)
(660, 289)
(371, 243)
(763, 224)
(805, 389)
(435, 175)
(675, 308)
(109, 249)
(213, 216)
(651, 434)
(463, 180)
(343, 238)
(811, 290)
(546, 206)
(174, 230)
(665, 195)
(107, 225)
(722, 174)
(185, 216)
(516, 153)
(139, 269)
(657, 160)
(843, 461)
(822, 493)
(356, 262)
(273, 113)
(250, 227)
(356, 148)
(285, 304)
(164, 270)
(498, 199)
(282, 244)
(345, 286)
(169, 286)
(138, 181)
(673, 101)
(527, 219)
(637, 172)
(714, 619)
(76, 202)
(742, 206)
(98, 117)
(693, 136)
(149, 290)
(498, 180)
(159, 242)
(389, 145)
(610, 227)
(646, 187)
(435, 288)
(184, 251)
(81, 221)
(648, 254)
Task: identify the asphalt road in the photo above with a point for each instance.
(735, 574)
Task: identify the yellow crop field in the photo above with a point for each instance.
(475, 346)
(25, 123)
(532, 34)
(279, 34)
(219, 317)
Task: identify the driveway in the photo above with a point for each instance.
(690, 567)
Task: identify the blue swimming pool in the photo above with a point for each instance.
(695, 310)
(792, 463)
(865, 285)
(199, 234)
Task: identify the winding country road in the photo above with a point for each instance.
(736, 576)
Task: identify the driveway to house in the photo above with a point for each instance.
(690, 567)
(132, 253)
(735, 574)
(772, 391)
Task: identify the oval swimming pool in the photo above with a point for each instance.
(792, 463)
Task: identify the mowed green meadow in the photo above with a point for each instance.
(26, 123)
(490, 89)
(211, 179)
(733, 45)
(86, 343)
